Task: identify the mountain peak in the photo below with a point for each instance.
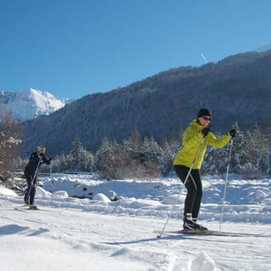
(29, 104)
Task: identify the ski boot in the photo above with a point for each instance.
(33, 207)
(198, 226)
(189, 225)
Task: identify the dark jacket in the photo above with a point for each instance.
(34, 163)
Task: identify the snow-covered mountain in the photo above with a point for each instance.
(29, 104)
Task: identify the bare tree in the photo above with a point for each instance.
(10, 142)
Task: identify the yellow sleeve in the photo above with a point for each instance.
(218, 142)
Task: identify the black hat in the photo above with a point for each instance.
(203, 112)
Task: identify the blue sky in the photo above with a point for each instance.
(74, 48)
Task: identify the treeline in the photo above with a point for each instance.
(140, 157)
(135, 157)
(251, 155)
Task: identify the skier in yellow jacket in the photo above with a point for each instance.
(188, 161)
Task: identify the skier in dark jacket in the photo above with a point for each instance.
(31, 172)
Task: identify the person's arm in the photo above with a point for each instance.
(218, 142)
(45, 160)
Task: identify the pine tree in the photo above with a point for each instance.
(81, 159)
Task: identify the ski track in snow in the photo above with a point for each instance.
(79, 234)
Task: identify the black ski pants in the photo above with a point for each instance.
(30, 192)
(194, 190)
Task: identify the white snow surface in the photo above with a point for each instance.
(6, 191)
(70, 233)
(29, 104)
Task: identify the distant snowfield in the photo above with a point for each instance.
(82, 234)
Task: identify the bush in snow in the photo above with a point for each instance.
(109, 158)
(81, 159)
(250, 156)
(134, 157)
(78, 159)
(169, 150)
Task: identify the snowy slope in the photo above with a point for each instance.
(29, 104)
(83, 234)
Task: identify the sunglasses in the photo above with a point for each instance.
(207, 118)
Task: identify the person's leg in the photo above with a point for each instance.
(191, 187)
(27, 191)
(33, 191)
(195, 175)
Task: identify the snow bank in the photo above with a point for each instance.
(75, 185)
(60, 194)
(102, 198)
(246, 200)
(6, 191)
(42, 193)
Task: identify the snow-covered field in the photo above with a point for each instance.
(98, 234)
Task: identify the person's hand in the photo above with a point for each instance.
(205, 131)
(232, 132)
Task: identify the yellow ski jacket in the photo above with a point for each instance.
(194, 145)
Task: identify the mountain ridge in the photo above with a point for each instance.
(236, 88)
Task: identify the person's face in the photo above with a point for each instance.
(41, 151)
(205, 121)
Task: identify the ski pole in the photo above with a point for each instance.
(185, 180)
(226, 183)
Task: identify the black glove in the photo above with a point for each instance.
(205, 131)
(232, 133)
(47, 160)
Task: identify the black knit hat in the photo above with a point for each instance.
(203, 112)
